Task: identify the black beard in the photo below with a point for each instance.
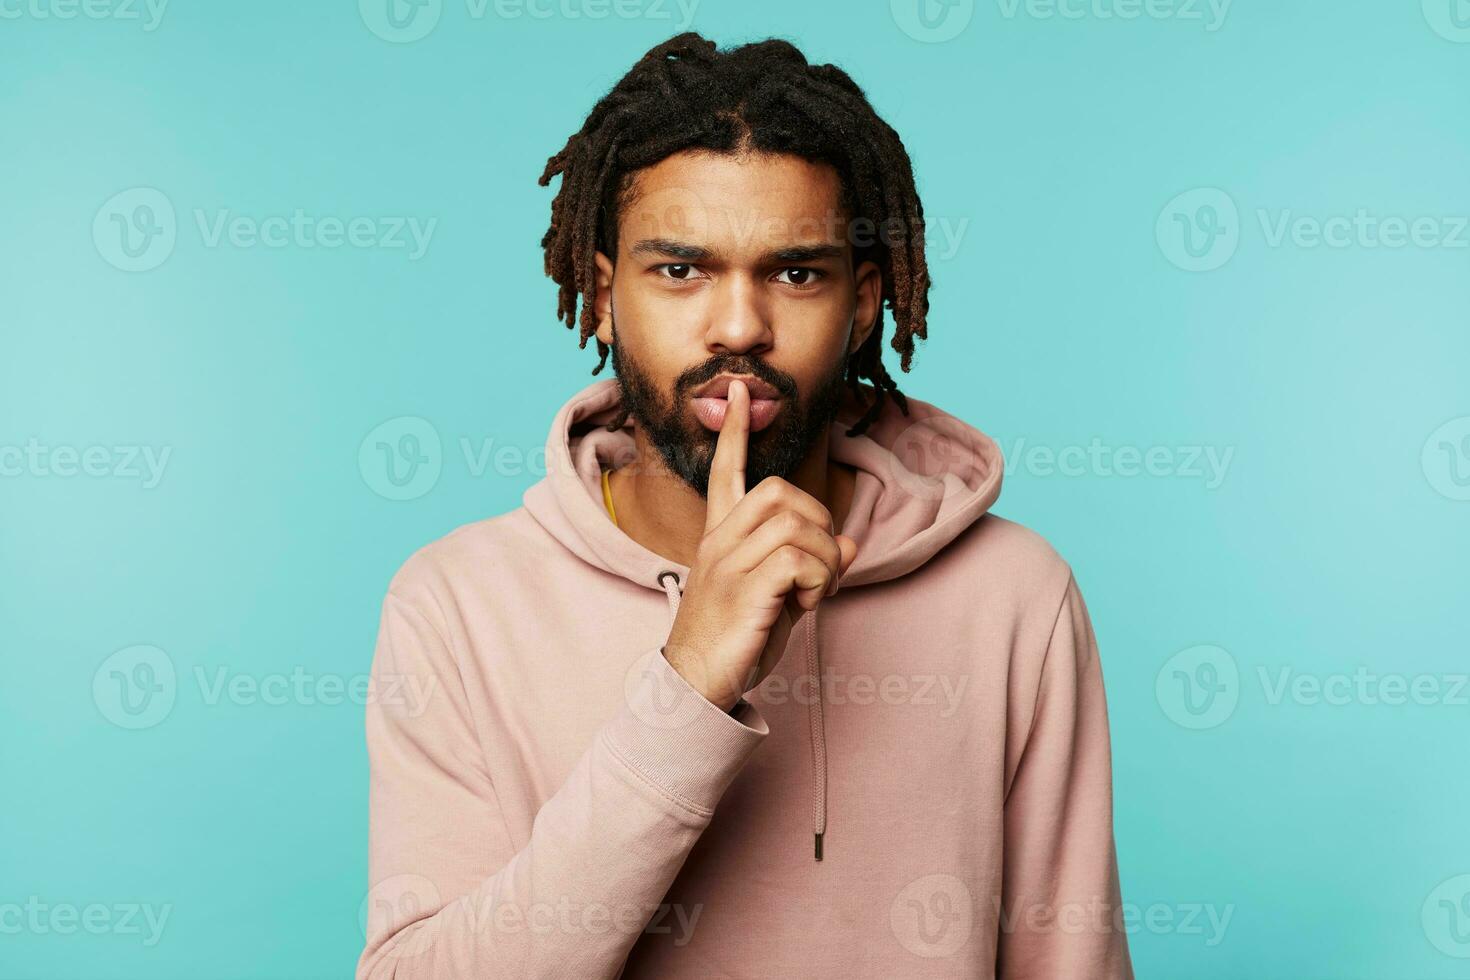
(688, 448)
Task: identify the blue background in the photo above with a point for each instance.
(1334, 542)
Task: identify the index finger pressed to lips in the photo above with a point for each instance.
(727, 469)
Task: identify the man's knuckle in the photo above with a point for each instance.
(789, 522)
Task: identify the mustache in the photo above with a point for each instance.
(736, 365)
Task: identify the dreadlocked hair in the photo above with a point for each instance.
(684, 94)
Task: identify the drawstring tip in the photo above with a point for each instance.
(819, 845)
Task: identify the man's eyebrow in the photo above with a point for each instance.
(806, 253)
(671, 248)
(698, 253)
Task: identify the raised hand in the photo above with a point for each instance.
(766, 558)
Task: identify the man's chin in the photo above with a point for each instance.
(696, 453)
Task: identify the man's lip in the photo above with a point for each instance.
(720, 388)
(711, 412)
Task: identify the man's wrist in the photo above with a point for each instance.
(718, 702)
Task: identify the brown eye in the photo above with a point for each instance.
(684, 266)
(802, 276)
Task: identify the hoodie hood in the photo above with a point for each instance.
(922, 479)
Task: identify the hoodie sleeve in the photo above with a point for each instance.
(452, 896)
(1061, 911)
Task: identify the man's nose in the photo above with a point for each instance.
(739, 319)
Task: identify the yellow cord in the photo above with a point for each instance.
(607, 498)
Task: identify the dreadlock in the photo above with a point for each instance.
(685, 94)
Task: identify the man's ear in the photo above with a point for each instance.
(602, 299)
(869, 279)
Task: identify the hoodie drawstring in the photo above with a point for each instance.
(816, 726)
(670, 583)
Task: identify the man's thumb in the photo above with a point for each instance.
(848, 547)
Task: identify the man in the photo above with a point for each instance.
(752, 685)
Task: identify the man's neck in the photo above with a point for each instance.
(665, 515)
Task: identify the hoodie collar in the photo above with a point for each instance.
(922, 478)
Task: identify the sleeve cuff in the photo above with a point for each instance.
(676, 738)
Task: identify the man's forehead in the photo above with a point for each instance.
(729, 205)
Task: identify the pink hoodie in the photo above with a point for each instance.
(557, 802)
